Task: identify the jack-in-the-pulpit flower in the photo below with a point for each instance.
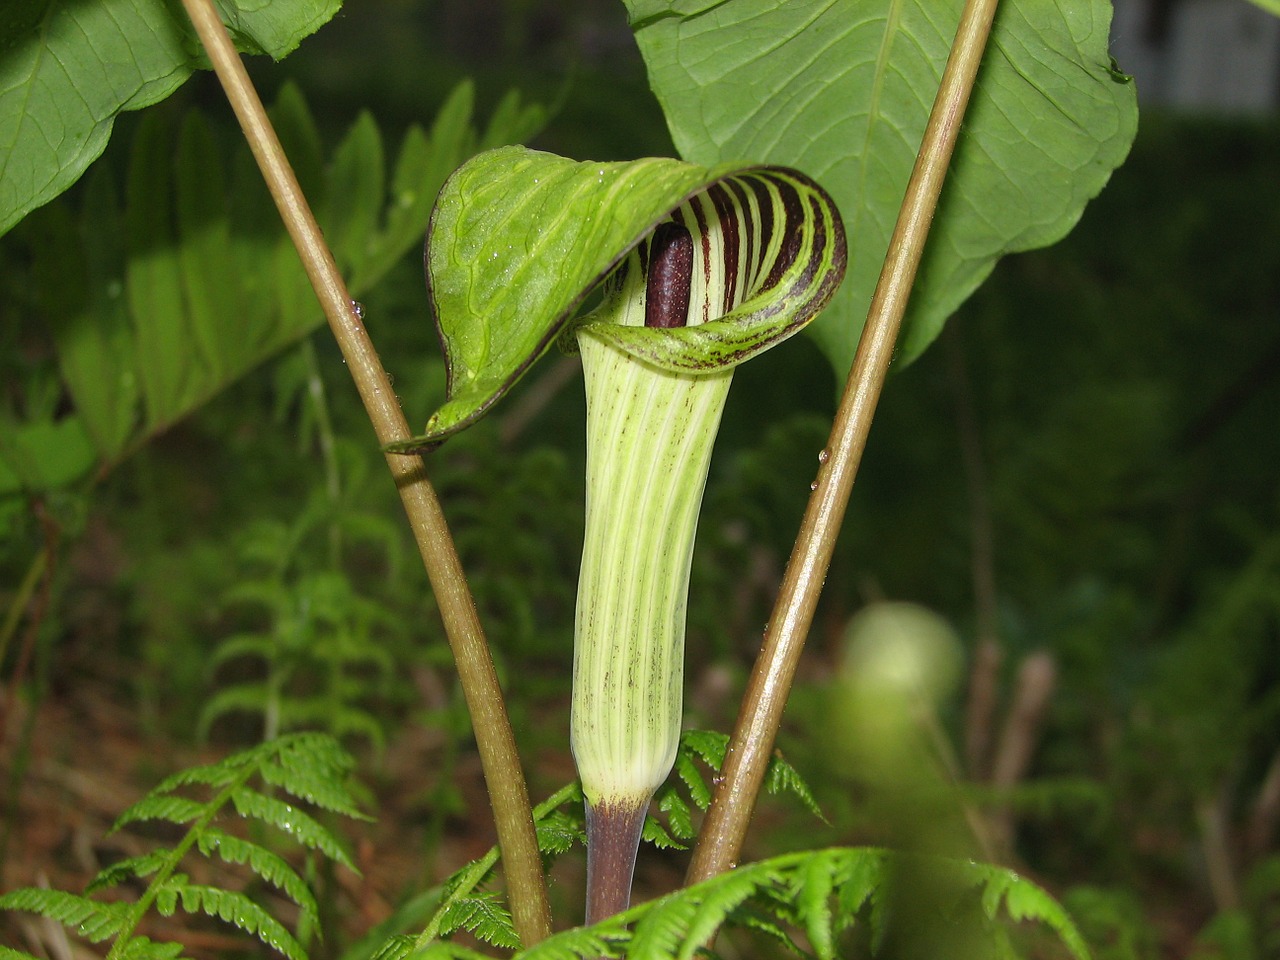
(702, 269)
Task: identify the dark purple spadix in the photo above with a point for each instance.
(666, 297)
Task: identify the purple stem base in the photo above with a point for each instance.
(613, 837)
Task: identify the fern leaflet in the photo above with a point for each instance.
(484, 916)
(819, 892)
(92, 919)
(310, 767)
(304, 828)
(234, 908)
(269, 866)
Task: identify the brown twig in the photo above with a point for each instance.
(1037, 677)
(1264, 812)
(508, 794)
(1215, 846)
(980, 706)
(38, 586)
(752, 741)
(984, 675)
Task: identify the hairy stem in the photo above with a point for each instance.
(751, 744)
(508, 794)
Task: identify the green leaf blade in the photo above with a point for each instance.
(68, 69)
(153, 278)
(518, 240)
(88, 313)
(355, 193)
(206, 259)
(843, 90)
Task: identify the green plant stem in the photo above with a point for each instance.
(33, 597)
(508, 794)
(18, 606)
(751, 745)
(327, 444)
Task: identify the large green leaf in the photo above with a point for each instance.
(157, 303)
(842, 89)
(520, 238)
(67, 68)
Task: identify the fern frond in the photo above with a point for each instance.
(399, 947)
(605, 940)
(819, 892)
(142, 948)
(225, 772)
(457, 887)
(338, 719)
(268, 595)
(310, 766)
(154, 806)
(302, 827)
(559, 832)
(238, 645)
(688, 771)
(812, 887)
(712, 910)
(709, 746)
(267, 865)
(139, 948)
(759, 921)
(443, 950)
(248, 697)
(781, 778)
(861, 875)
(313, 767)
(229, 906)
(484, 917)
(92, 919)
(1023, 900)
(128, 869)
(679, 816)
(655, 833)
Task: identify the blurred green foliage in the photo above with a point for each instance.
(1119, 390)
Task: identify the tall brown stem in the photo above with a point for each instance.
(508, 794)
(751, 744)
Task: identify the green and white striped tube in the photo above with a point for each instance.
(649, 439)
(650, 432)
